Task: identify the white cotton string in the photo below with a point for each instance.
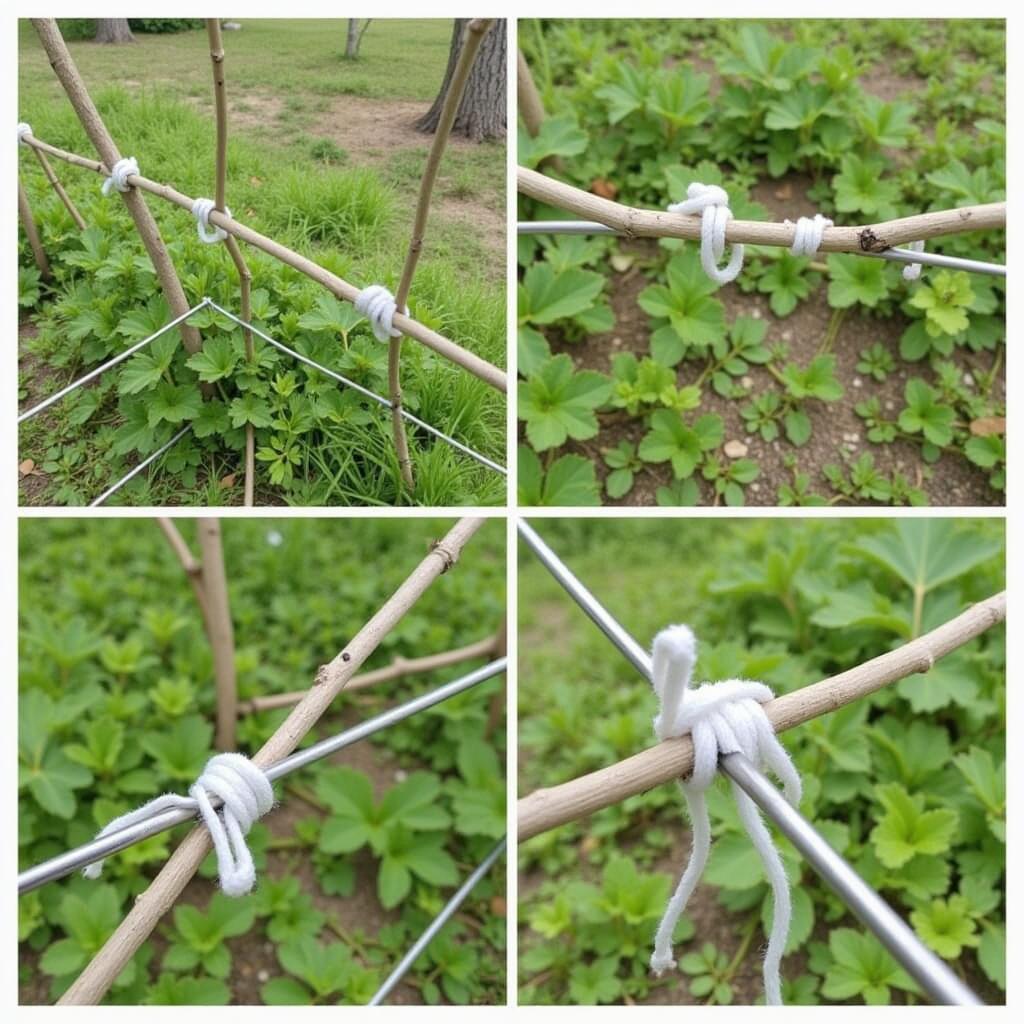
(808, 235)
(378, 305)
(247, 795)
(912, 271)
(119, 175)
(201, 209)
(721, 718)
(24, 128)
(712, 203)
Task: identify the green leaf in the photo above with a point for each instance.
(855, 279)
(546, 295)
(571, 481)
(249, 408)
(558, 136)
(146, 369)
(558, 403)
(174, 404)
(992, 954)
(907, 829)
(216, 359)
(862, 967)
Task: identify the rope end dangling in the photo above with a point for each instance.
(912, 271)
(378, 305)
(712, 203)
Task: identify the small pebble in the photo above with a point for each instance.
(755, 486)
(616, 343)
(756, 313)
(857, 382)
(969, 380)
(263, 975)
(747, 382)
(787, 335)
(889, 405)
(735, 449)
(401, 775)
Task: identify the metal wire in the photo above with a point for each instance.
(93, 374)
(366, 392)
(934, 976)
(438, 923)
(929, 259)
(98, 849)
(141, 466)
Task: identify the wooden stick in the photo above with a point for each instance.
(545, 809)
(28, 222)
(470, 362)
(192, 566)
(531, 107)
(398, 669)
(220, 630)
(634, 223)
(57, 187)
(500, 699)
(220, 97)
(93, 983)
(74, 86)
(475, 32)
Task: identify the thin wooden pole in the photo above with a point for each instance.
(531, 107)
(444, 347)
(475, 32)
(398, 669)
(636, 223)
(244, 276)
(220, 630)
(150, 906)
(28, 222)
(548, 808)
(68, 74)
(500, 699)
(192, 566)
(57, 187)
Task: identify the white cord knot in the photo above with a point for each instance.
(721, 718)
(24, 128)
(201, 210)
(378, 305)
(912, 271)
(247, 795)
(119, 175)
(712, 203)
(808, 234)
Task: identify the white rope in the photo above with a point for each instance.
(378, 305)
(24, 128)
(201, 210)
(119, 175)
(721, 718)
(912, 271)
(712, 203)
(808, 235)
(247, 795)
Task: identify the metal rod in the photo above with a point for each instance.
(941, 985)
(97, 849)
(935, 977)
(637, 656)
(437, 924)
(93, 374)
(366, 392)
(929, 259)
(141, 466)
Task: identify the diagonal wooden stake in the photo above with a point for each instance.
(28, 222)
(93, 983)
(57, 187)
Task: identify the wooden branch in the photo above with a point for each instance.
(531, 107)
(545, 809)
(634, 223)
(28, 222)
(57, 187)
(475, 32)
(398, 669)
(500, 699)
(244, 276)
(89, 116)
(93, 983)
(470, 362)
(220, 630)
(192, 566)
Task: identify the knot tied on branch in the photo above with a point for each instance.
(119, 174)
(246, 794)
(712, 203)
(201, 210)
(808, 234)
(378, 305)
(721, 718)
(24, 128)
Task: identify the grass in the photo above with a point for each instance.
(348, 209)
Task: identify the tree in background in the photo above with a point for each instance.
(481, 114)
(354, 38)
(113, 30)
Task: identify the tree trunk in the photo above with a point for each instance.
(352, 40)
(481, 114)
(113, 30)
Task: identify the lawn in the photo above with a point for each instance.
(805, 381)
(786, 602)
(116, 701)
(322, 157)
